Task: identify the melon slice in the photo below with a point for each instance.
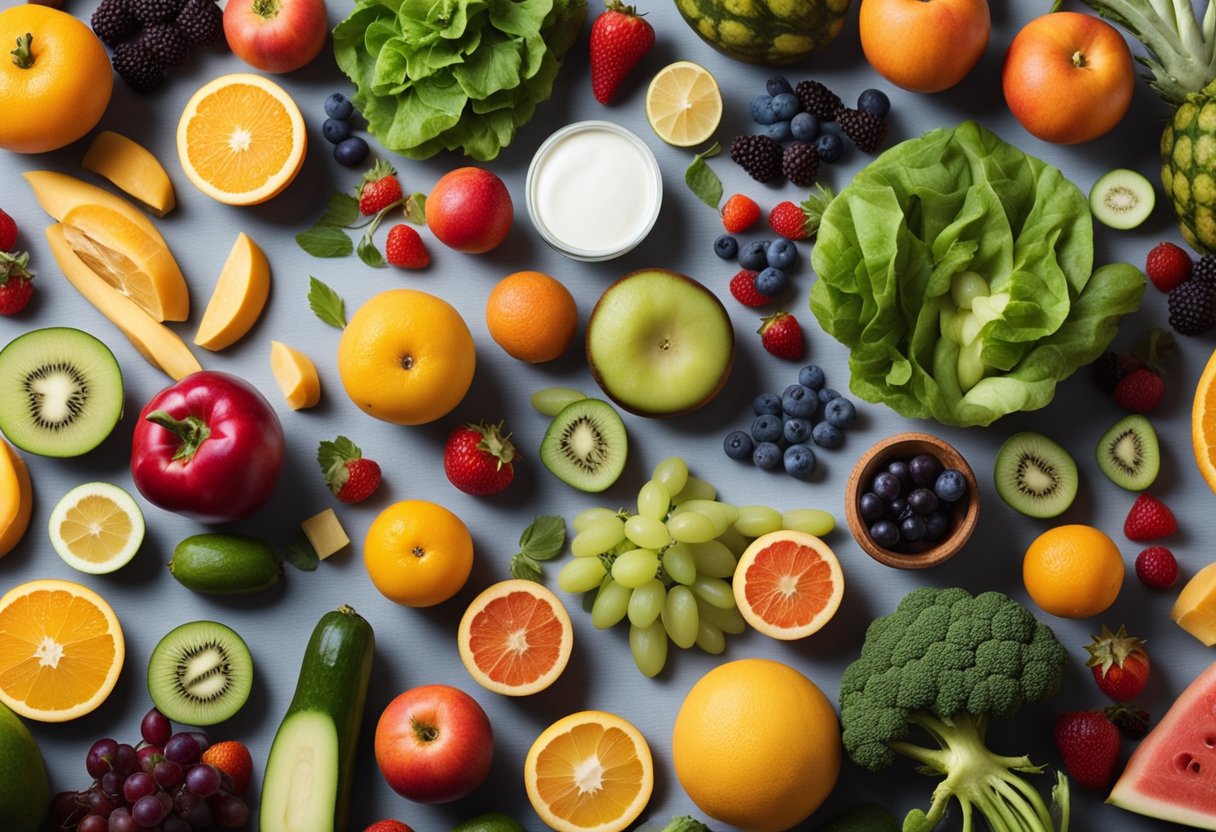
(132, 168)
(1172, 773)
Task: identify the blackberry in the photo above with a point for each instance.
(1205, 269)
(1132, 722)
(866, 130)
(818, 100)
(760, 156)
(800, 164)
(201, 22)
(139, 66)
(113, 22)
(1192, 307)
(148, 12)
(1107, 372)
(166, 42)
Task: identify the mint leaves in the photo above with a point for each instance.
(326, 304)
(543, 540)
(701, 179)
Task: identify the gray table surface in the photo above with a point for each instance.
(417, 647)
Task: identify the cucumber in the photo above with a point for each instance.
(225, 563)
(307, 783)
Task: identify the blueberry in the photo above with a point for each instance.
(335, 130)
(922, 501)
(776, 86)
(898, 509)
(840, 413)
(771, 282)
(350, 152)
(799, 402)
(737, 444)
(936, 525)
(827, 436)
(766, 428)
(779, 131)
(786, 106)
(950, 486)
(754, 256)
(827, 394)
(796, 431)
(338, 106)
(726, 247)
(885, 534)
(886, 486)
(799, 461)
(782, 254)
(830, 147)
(925, 468)
(874, 102)
(804, 127)
(767, 456)
(900, 469)
(812, 376)
(870, 507)
(767, 403)
(762, 110)
(912, 528)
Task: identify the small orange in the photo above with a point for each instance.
(532, 316)
(417, 553)
(515, 638)
(1073, 571)
(1203, 423)
(788, 584)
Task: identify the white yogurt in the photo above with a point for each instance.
(594, 190)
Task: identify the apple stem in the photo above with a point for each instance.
(23, 56)
(267, 9)
(426, 733)
(1078, 58)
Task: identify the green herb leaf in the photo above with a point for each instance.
(526, 569)
(325, 241)
(326, 304)
(415, 209)
(302, 556)
(544, 538)
(343, 210)
(367, 250)
(702, 180)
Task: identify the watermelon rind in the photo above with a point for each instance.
(772, 32)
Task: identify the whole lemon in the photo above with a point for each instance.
(1073, 571)
(756, 745)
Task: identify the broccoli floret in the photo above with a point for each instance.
(945, 662)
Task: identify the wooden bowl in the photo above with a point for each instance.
(904, 446)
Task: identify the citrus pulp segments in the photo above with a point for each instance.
(515, 638)
(96, 528)
(684, 104)
(1203, 423)
(788, 584)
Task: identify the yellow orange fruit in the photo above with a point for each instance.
(239, 297)
(684, 104)
(532, 316)
(133, 168)
(16, 498)
(515, 638)
(756, 745)
(96, 528)
(406, 357)
(241, 139)
(61, 650)
(296, 376)
(1195, 608)
(1203, 422)
(788, 584)
(417, 553)
(1073, 571)
(589, 772)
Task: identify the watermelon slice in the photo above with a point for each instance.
(1172, 774)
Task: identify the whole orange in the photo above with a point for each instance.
(1073, 571)
(55, 87)
(417, 553)
(470, 210)
(532, 316)
(406, 357)
(924, 45)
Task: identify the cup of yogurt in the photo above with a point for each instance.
(594, 190)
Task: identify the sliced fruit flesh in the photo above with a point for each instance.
(132, 168)
(516, 639)
(239, 138)
(684, 104)
(239, 297)
(296, 376)
(590, 776)
(789, 585)
(96, 528)
(300, 791)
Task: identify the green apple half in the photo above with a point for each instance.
(659, 343)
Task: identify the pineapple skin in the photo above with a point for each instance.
(1188, 168)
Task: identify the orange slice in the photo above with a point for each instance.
(61, 649)
(1203, 423)
(241, 139)
(515, 638)
(788, 584)
(589, 772)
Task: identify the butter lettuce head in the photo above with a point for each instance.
(460, 75)
(961, 200)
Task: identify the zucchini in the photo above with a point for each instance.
(307, 783)
(225, 563)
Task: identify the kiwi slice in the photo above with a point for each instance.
(1128, 453)
(585, 445)
(200, 673)
(1122, 199)
(1035, 475)
(60, 392)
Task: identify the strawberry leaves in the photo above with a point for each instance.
(327, 236)
(326, 304)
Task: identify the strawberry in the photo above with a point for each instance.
(388, 826)
(405, 248)
(1119, 663)
(1167, 266)
(379, 189)
(739, 213)
(478, 459)
(1089, 743)
(1157, 568)
(16, 282)
(743, 288)
(788, 220)
(782, 336)
(1149, 519)
(8, 232)
(232, 758)
(1140, 391)
(619, 39)
(352, 477)
(1132, 723)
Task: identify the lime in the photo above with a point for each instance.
(683, 104)
(489, 822)
(25, 792)
(96, 528)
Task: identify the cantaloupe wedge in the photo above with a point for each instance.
(134, 262)
(155, 341)
(1195, 609)
(132, 168)
(238, 299)
(59, 193)
(16, 498)
(296, 376)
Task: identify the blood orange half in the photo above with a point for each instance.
(515, 638)
(788, 584)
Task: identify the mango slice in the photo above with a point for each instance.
(59, 193)
(155, 341)
(324, 531)
(16, 498)
(133, 169)
(238, 299)
(1195, 609)
(296, 375)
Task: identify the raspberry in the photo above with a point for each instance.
(743, 289)
(1167, 266)
(759, 156)
(1157, 568)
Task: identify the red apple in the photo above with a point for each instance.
(276, 35)
(924, 45)
(1068, 77)
(434, 744)
(470, 210)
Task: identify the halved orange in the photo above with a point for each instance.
(61, 650)
(788, 584)
(589, 772)
(1203, 423)
(241, 139)
(515, 638)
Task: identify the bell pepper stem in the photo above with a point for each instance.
(192, 430)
